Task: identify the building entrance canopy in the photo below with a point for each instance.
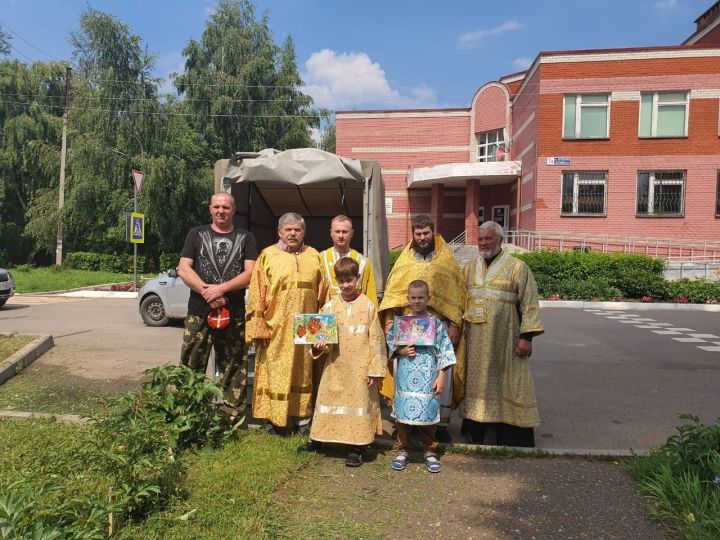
(457, 174)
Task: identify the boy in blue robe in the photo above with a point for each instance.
(419, 372)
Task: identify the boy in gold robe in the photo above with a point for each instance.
(347, 409)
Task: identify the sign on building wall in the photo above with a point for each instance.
(558, 161)
(388, 205)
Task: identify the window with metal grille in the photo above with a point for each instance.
(584, 193)
(586, 116)
(488, 144)
(661, 193)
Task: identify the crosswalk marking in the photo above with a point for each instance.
(663, 329)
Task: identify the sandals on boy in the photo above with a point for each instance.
(432, 463)
(400, 461)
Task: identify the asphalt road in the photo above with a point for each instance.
(601, 381)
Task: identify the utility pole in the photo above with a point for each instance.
(63, 153)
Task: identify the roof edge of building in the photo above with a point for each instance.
(428, 109)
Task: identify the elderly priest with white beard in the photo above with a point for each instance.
(502, 315)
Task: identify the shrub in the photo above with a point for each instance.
(393, 256)
(577, 275)
(121, 264)
(168, 261)
(696, 291)
(682, 478)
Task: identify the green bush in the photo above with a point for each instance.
(132, 456)
(577, 275)
(168, 261)
(393, 256)
(81, 260)
(695, 291)
(682, 479)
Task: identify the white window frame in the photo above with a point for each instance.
(652, 181)
(654, 113)
(577, 182)
(578, 115)
(482, 147)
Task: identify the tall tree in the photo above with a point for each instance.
(29, 148)
(4, 43)
(291, 112)
(243, 88)
(117, 123)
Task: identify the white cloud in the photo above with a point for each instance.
(522, 63)
(470, 39)
(167, 64)
(666, 5)
(353, 80)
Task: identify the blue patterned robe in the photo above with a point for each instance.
(414, 402)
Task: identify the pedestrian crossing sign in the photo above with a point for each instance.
(137, 228)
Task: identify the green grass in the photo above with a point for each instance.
(9, 345)
(55, 278)
(230, 492)
(227, 493)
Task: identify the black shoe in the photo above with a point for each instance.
(355, 458)
(272, 429)
(311, 446)
(443, 435)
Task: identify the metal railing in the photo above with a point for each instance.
(673, 250)
(458, 241)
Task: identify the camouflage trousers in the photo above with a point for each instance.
(230, 358)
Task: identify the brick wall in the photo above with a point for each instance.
(489, 108)
(699, 221)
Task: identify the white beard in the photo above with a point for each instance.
(489, 253)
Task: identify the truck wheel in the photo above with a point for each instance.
(152, 311)
(2, 301)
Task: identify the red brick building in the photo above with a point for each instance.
(612, 141)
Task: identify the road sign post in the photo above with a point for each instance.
(138, 179)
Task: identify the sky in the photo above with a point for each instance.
(377, 54)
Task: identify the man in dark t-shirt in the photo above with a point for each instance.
(216, 263)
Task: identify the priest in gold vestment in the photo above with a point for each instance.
(341, 233)
(502, 316)
(427, 257)
(287, 279)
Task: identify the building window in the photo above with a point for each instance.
(717, 197)
(664, 114)
(660, 193)
(584, 193)
(488, 144)
(586, 116)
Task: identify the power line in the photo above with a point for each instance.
(111, 98)
(163, 113)
(13, 32)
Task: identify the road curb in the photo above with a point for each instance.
(98, 294)
(489, 451)
(513, 451)
(25, 356)
(637, 306)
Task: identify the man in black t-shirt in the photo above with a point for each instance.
(216, 263)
